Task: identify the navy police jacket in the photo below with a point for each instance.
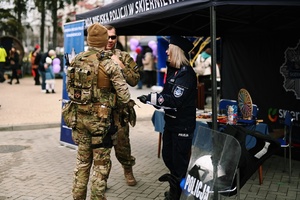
(179, 93)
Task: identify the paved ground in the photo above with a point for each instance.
(34, 164)
(25, 106)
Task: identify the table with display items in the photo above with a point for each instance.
(159, 123)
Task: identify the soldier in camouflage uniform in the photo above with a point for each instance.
(124, 114)
(90, 118)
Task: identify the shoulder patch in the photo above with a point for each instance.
(160, 99)
(178, 92)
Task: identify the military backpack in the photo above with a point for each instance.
(81, 76)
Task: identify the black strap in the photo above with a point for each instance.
(96, 146)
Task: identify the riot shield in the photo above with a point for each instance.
(212, 167)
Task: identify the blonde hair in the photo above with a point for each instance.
(177, 56)
(52, 53)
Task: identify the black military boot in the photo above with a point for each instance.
(175, 190)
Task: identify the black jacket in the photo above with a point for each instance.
(180, 92)
(14, 58)
(42, 62)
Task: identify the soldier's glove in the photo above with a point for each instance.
(131, 112)
(144, 98)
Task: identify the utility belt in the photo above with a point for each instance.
(98, 109)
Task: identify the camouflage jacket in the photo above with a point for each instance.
(131, 70)
(132, 77)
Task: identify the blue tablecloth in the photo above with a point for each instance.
(159, 123)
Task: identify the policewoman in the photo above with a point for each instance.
(178, 100)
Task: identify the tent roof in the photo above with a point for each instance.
(190, 17)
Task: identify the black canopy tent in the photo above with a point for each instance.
(192, 17)
(250, 31)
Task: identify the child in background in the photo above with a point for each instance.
(50, 77)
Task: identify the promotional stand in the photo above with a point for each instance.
(73, 44)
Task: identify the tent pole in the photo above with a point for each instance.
(214, 94)
(213, 66)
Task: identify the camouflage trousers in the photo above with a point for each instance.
(123, 147)
(87, 157)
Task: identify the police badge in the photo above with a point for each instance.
(178, 91)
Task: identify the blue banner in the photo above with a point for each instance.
(73, 44)
(162, 46)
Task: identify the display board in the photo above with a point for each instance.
(73, 44)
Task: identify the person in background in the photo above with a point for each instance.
(43, 65)
(90, 119)
(203, 69)
(178, 94)
(124, 114)
(149, 67)
(50, 77)
(35, 60)
(13, 59)
(3, 56)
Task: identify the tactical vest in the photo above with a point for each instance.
(87, 80)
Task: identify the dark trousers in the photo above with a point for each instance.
(176, 153)
(149, 78)
(43, 76)
(140, 83)
(2, 79)
(14, 74)
(36, 76)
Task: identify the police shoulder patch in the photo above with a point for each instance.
(160, 99)
(178, 91)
